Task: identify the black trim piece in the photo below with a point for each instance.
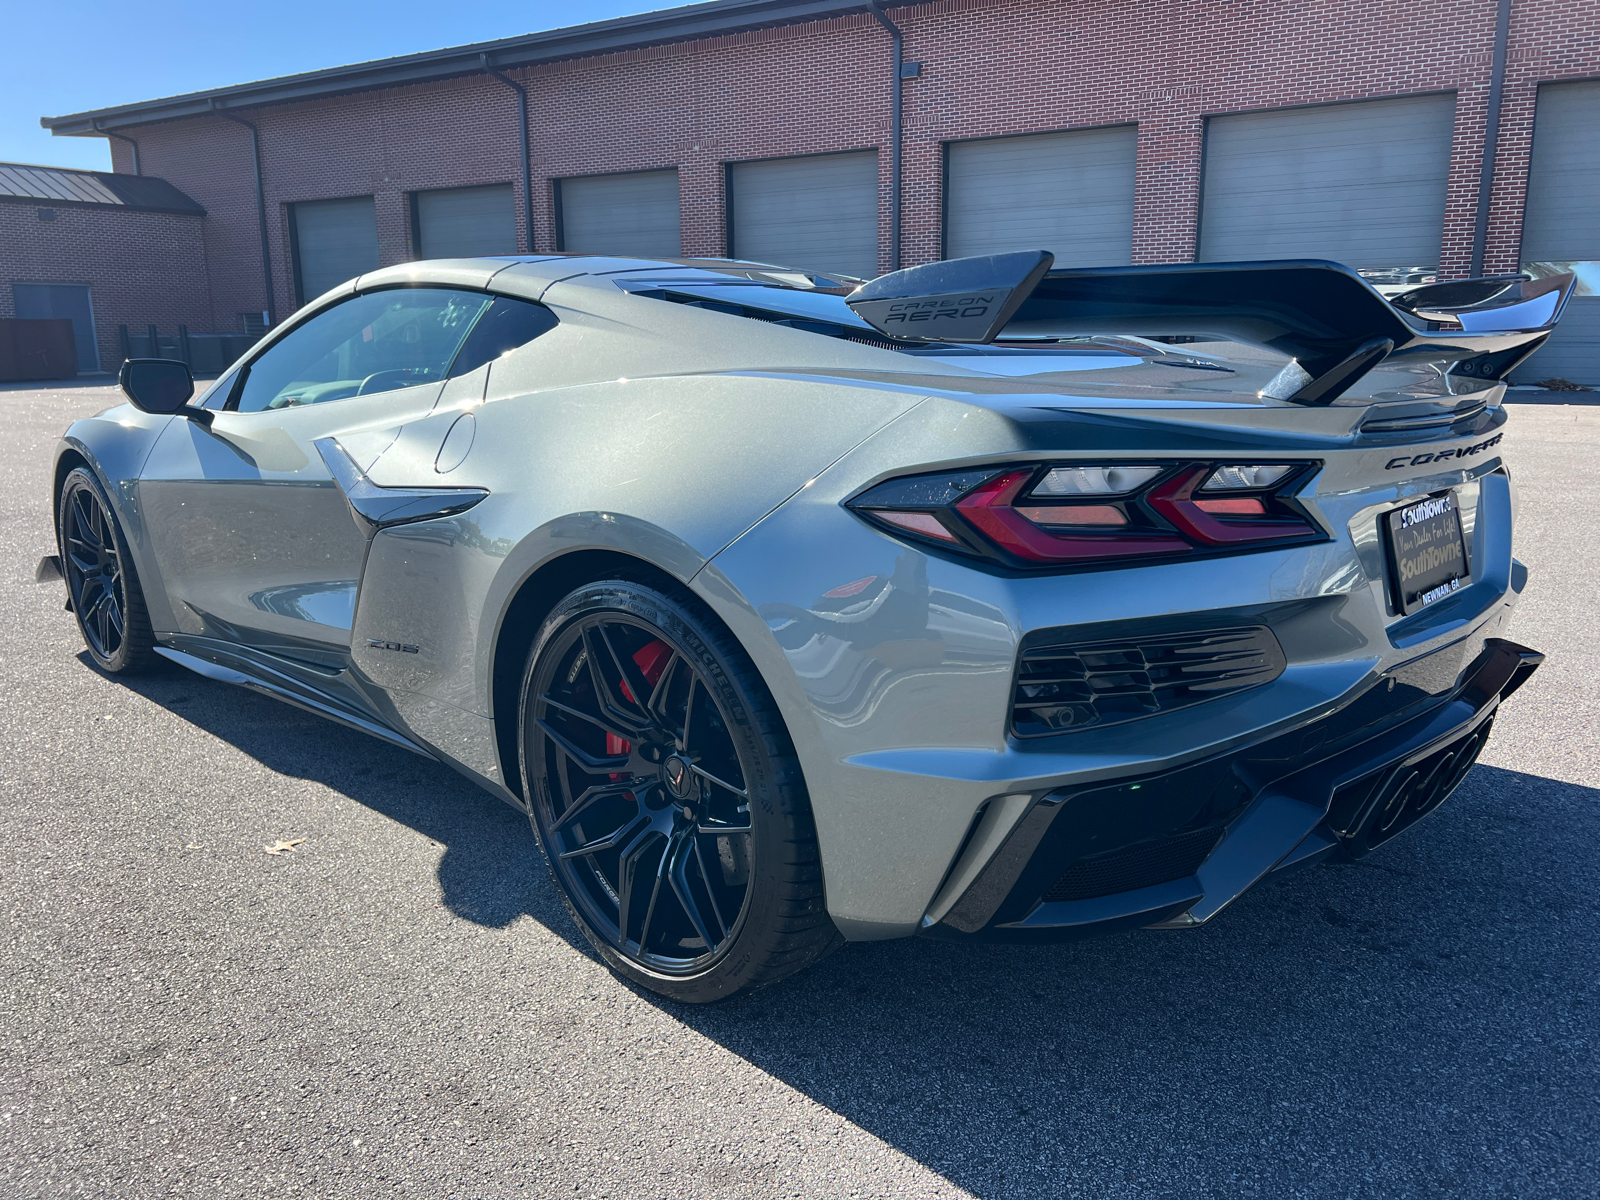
(376, 507)
(1416, 423)
(1333, 382)
(1100, 683)
(1142, 865)
(241, 667)
(1395, 738)
(1321, 314)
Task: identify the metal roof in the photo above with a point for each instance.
(58, 185)
(598, 37)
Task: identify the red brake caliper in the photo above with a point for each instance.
(651, 661)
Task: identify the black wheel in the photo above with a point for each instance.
(100, 579)
(667, 796)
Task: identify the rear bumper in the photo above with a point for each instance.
(1082, 860)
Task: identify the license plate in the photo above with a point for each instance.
(1427, 554)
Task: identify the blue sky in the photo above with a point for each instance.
(83, 54)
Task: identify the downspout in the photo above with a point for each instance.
(895, 111)
(1491, 134)
(261, 207)
(121, 137)
(527, 166)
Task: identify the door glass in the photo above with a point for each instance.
(378, 342)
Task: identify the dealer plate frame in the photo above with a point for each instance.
(1437, 589)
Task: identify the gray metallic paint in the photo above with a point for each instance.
(719, 450)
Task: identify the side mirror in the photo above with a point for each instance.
(157, 385)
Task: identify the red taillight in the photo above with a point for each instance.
(990, 510)
(1209, 525)
(1246, 506)
(926, 524)
(1049, 514)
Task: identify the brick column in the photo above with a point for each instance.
(1166, 190)
(701, 201)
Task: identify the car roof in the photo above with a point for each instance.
(524, 273)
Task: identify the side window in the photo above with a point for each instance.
(376, 342)
(508, 324)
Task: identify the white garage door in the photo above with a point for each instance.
(1069, 193)
(815, 214)
(335, 240)
(466, 222)
(636, 214)
(1561, 230)
(1362, 184)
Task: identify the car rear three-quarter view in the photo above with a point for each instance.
(984, 601)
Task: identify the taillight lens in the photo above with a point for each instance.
(991, 509)
(1232, 521)
(1039, 515)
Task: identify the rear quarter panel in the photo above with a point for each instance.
(666, 470)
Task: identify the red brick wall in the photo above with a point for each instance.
(141, 267)
(990, 67)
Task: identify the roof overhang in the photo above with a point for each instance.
(688, 23)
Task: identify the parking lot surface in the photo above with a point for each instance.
(399, 1005)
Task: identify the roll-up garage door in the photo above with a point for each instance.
(465, 222)
(1362, 184)
(818, 213)
(334, 240)
(632, 214)
(1069, 193)
(1561, 226)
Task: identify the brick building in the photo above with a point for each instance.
(102, 251)
(1398, 137)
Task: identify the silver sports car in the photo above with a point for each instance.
(982, 600)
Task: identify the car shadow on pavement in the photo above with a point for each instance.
(491, 872)
(1420, 1023)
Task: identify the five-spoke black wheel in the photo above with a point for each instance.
(667, 797)
(101, 582)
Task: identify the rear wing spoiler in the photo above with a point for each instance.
(1330, 321)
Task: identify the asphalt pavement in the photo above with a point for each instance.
(399, 1006)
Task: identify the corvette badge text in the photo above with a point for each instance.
(1407, 460)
